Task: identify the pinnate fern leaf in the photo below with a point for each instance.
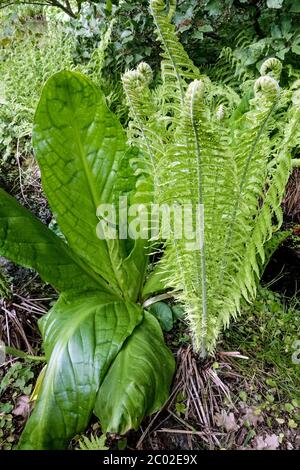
(230, 155)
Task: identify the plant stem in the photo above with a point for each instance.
(23, 355)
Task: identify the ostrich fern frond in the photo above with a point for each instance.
(176, 66)
(206, 150)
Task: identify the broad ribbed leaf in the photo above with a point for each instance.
(79, 143)
(81, 339)
(132, 183)
(164, 315)
(26, 241)
(138, 381)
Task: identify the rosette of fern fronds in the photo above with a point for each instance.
(233, 165)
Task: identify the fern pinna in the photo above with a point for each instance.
(201, 148)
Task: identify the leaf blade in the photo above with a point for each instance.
(79, 144)
(27, 241)
(143, 372)
(82, 338)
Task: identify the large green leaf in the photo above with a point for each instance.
(155, 282)
(164, 315)
(79, 144)
(81, 339)
(138, 381)
(25, 240)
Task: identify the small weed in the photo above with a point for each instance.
(92, 443)
(266, 333)
(180, 405)
(15, 383)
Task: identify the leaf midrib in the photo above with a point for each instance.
(68, 331)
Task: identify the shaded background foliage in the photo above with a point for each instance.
(242, 32)
(264, 28)
(268, 27)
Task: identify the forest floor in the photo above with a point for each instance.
(246, 397)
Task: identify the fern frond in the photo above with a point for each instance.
(145, 126)
(224, 157)
(92, 443)
(271, 67)
(229, 68)
(250, 146)
(197, 154)
(229, 71)
(177, 68)
(264, 228)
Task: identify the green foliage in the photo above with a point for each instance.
(145, 359)
(24, 67)
(267, 334)
(164, 315)
(132, 35)
(96, 333)
(70, 8)
(87, 30)
(4, 284)
(227, 144)
(6, 426)
(204, 27)
(15, 382)
(270, 27)
(180, 405)
(36, 44)
(205, 146)
(94, 443)
(17, 379)
(15, 22)
(266, 30)
(29, 56)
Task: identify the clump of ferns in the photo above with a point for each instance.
(203, 148)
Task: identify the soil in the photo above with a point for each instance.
(283, 271)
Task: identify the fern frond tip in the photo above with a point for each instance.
(267, 86)
(146, 71)
(271, 67)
